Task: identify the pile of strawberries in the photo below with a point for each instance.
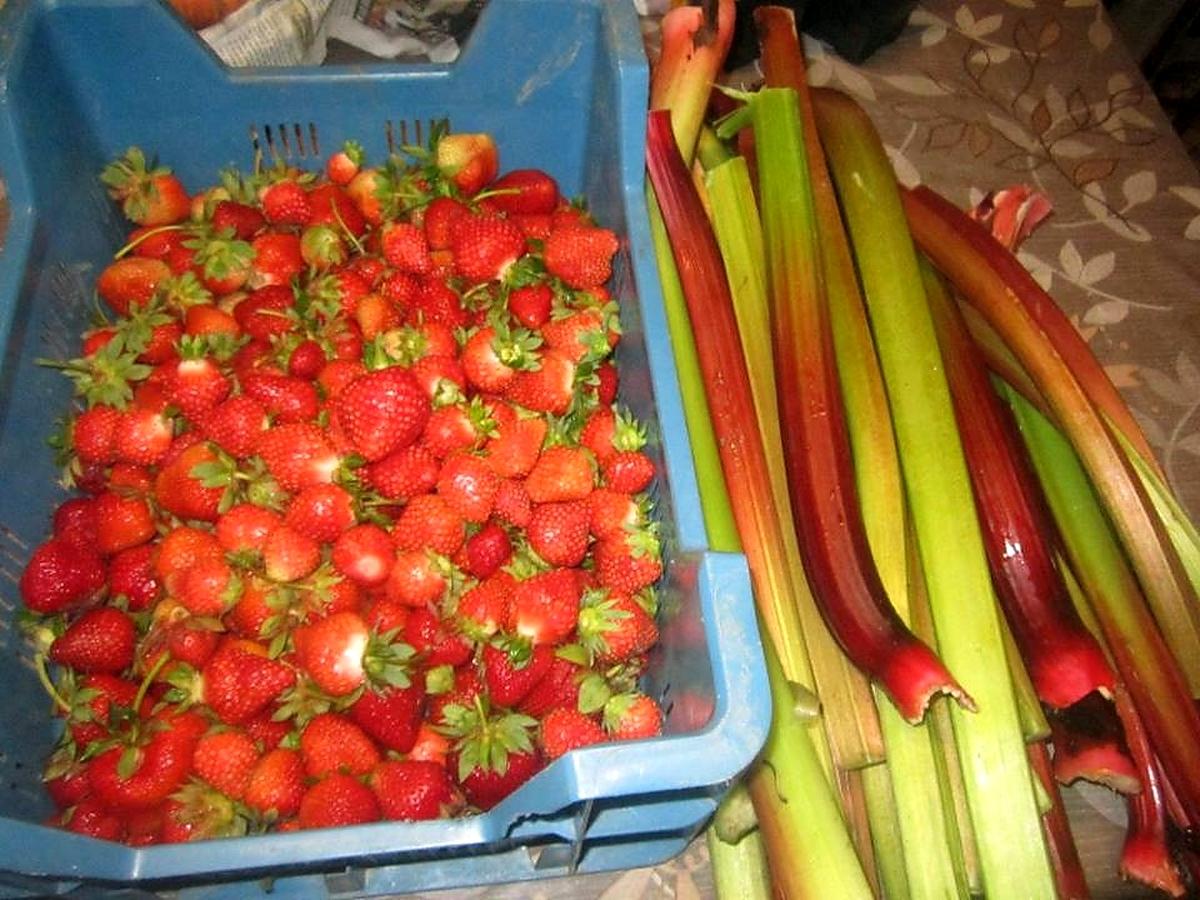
(360, 530)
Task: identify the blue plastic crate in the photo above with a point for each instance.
(561, 84)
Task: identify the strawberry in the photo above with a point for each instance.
(275, 786)
(344, 164)
(181, 548)
(337, 800)
(131, 576)
(382, 411)
(123, 521)
(455, 426)
(436, 301)
(197, 812)
(579, 335)
(243, 220)
(285, 397)
(340, 654)
(331, 205)
(483, 609)
(468, 484)
(223, 264)
(558, 688)
(632, 716)
(285, 203)
(615, 627)
(558, 532)
(486, 785)
(297, 455)
(364, 553)
(566, 729)
(418, 578)
(148, 195)
(511, 668)
(225, 759)
(208, 588)
(439, 375)
(434, 640)
(612, 513)
(512, 503)
(402, 474)
(263, 314)
(487, 549)
(414, 790)
(468, 160)
(561, 473)
(289, 555)
(321, 511)
(331, 742)
(94, 818)
(515, 447)
(243, 528)
(240, 681)
(405, 247)
(364, 192)
(428, 521)
(142, 436)
(76, 520)
(439, 220)
(391, 716)
(234, 424)
(492, 357)
(322, 247)
(528, 191)
(484, 247)
(545, 606)
(142, 774)
(206, 319)
(581, 256)
(193, 485)
(100, 640)
(530, 304)
(306, 360)
(547, 388)
(627, 471)
(277, 258)
(629, 562)
(197, 385)
(60, 576)
(131, 281)
(93, 434)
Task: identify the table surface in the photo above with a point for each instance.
(976, 96)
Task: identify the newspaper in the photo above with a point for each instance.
(296, 32)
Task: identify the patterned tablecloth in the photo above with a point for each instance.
(980, 95)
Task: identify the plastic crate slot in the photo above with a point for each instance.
(286, 140)
(411, 132)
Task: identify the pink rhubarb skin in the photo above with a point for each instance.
(1064, 660)
(828, 522)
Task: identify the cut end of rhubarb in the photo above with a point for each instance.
(1076, 667)
(914, 676)
(1146, 860)
(1103, 763)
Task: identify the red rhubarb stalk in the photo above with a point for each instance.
(1064, 660)
(1089, 744)
(1069, 876)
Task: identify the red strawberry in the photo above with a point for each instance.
(631, 716)
(208, 588)
(149, 195)
(434, 639)
(561, 473)
(285, 203)
(297, 455)
(512, 667)
(100, 640)
(244, 527)
(276, 783)
(277, 258)
(629, 562)
(93, 434)
(306, 360)
(343, 165)
(484, 247)
(493, 751)
(92, 817)
(579, 335)
(483, 609)
(321, 511)
(455, 426)
(240, 681)
(440, 218)
(468, 160)
(436, 301)
(486, 786)
(627, 471)
(548, 388)
(197, 386)
(339, 653)
(364, 191)
(142, 775)
(180, 549)
(428, 521)
(76, 520)
(123, 521)
(391, 715)
(491, 358)
(524, 191)
(615, 627)
(581, 256)
(263, 314)
(468, 484)
(559, 532)
(142, 436)
(558, 688)
(287, 398)
(612, 513)
(234, 424)
(414, 790)
(418, 578)
(131, 575)
(516, 445)
(566, 729)
(60, 575)
(545, 606)
(331, 742)
(337, 800)
(382, 411)
(190, 485)
(289, 555)
(131, 281)
(333, 206)
(404, 246)
(531, 304)
(364, 553)
(403, 474)
(225, 760)
(512, 503)
(243, 220)
(487, 549)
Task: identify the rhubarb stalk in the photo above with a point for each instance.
(990, 744)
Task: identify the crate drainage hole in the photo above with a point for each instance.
(284, 141)
(411, 133)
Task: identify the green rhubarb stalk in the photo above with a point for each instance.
(1147, 667)
(886, 828)
(1079, 394)
(990, 743)
(848, 714)
(738, 859)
